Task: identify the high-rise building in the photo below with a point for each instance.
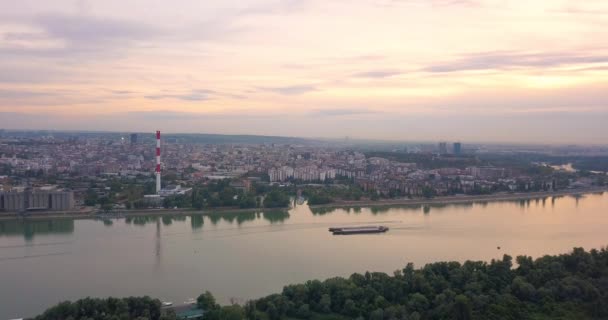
(133, 138)
(457, 148)
(443, 148)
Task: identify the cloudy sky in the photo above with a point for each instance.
(471, 70)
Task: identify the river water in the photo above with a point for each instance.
(248, 255)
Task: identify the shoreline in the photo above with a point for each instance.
(339, 204)
(460, 199)
(133, 213)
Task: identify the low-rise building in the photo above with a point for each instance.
(36, 200)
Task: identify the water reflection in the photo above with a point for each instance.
(426, 209)
(379, 210)
(323, 211)
(239, 217)
(141, 220)
(197, 221)
(168, 220)
(276, 216)
(158, 246)
(577, 197)
(29, 229)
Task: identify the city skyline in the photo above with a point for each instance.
(455, 70)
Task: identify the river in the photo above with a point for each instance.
(248, 255)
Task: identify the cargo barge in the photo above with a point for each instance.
(359, 230)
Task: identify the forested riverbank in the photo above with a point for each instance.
(461, 199)
(567, 286)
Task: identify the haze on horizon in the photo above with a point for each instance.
(471, 70)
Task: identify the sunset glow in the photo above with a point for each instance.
(382, 69)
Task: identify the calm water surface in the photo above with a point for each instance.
(249, 255)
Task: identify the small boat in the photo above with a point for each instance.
(167, 303)
(357, 230)
(190, 301)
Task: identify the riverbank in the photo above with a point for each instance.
(460, 199)
(91, 214)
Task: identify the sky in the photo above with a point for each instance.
(469, 70)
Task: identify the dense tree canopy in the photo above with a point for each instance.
(569, 286)
(108, 309)
(219, 193)
(276, 199)
(316, 198)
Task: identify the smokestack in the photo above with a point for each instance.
(157, 161)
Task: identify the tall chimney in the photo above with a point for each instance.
(157, 161)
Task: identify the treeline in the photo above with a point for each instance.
(133, 308)
(221, 193)
(569, 286)
(117, 190)
(327, 194)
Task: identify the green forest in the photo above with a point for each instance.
(567, 286)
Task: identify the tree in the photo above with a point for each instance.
(377, 314)
(276, 199)
(110, 308)
(317, 198)
(90, 198)
(177, 201)
(273, 312)
(251, 312)
(303, 312)
(462, 308)
(418, 302)
(206, 301)
(522, 289)
(428, 192)
(233, 312)
(247, 201)
(325, 303)
(350, 308)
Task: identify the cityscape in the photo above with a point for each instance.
(303, 160)
(112, 172)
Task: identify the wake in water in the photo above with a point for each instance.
(36, 245)
(301, 226)
(290, 226)
(35, 256)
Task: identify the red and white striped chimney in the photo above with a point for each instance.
(157, 161)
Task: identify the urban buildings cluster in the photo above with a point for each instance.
(456, 148)
(81, 165)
